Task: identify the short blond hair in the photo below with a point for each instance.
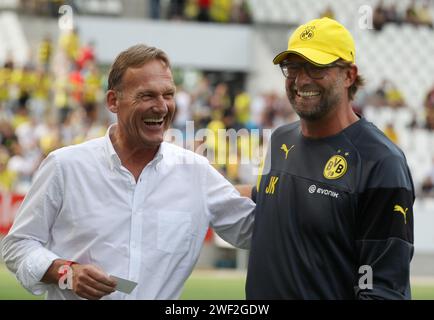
(134, 57)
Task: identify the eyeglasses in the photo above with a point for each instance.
(291, 69)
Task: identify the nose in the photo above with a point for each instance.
(160, 105)
(302, 78)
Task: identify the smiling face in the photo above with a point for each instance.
(144, 103)
(311, 98)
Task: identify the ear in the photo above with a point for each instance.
(112, 101)
(350, 75)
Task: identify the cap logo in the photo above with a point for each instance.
(307, 33)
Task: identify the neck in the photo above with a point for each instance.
(332, 123)
(132, 154)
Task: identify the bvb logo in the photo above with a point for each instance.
(307, 34)
(335, 167)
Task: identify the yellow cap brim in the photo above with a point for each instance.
(312, 55)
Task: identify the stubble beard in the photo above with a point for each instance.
(330, 98)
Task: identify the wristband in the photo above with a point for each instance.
(67, 263)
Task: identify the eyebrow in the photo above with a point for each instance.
(154, 93)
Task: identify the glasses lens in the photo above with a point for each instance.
(291, 70)
(315, 72)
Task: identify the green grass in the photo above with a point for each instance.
(200, 286)
(219, 286)
(10, 288)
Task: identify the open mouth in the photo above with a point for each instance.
(307, 94)
(153, 122)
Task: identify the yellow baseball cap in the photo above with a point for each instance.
(321, 41)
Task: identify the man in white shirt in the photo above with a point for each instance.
(127, 204)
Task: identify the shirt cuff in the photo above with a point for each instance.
(33, 268)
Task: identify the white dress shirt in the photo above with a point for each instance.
(86, 207)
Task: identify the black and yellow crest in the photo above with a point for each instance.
(307, 33)
(335, 167)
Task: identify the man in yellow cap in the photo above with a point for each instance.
(334, 217)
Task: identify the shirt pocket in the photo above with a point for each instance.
(174, 231)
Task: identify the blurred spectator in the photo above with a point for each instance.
(214, 141)
(327, 13)
(270, 111)
(414, 124)
(41, 7)
(155, 9)
(241, 12)
(428, 182)
(219, 101)
(23, 81)
(45, 52)
(7, 134)
(54, 5)
(429, 109)
(392, 15)
(429, 99)
(388, 94)
(176, 9)
(70, 44)
(86, 55)
(242, 108)
(76, 86)
(379, 96)
(21, 116)
(23, 164)
(39, 99)
(7, 177)
(220, 10)
(390, 132)
(230, 121)
(204, 7)
(62, 98)
(5, 83)
(191, 11)
(394, 96)
(92, 93)
(411, 16)
(379, 16)
(415, 14)
(424, 14)
(183, 111)
(429, 118)
(257, 109)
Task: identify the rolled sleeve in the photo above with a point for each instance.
(232, 216)
(33, 268)
(24, 248)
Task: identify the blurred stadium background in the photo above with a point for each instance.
(52, 83)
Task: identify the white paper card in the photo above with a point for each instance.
(123, 285)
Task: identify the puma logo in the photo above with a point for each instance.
(286, 150)
(401, 210)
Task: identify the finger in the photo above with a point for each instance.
(86, 296)
(101, 277)
(83, 293)
(90, 293)
(98, 285)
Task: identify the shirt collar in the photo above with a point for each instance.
(115, 161)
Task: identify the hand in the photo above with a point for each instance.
(91, 282)
(245, 190)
